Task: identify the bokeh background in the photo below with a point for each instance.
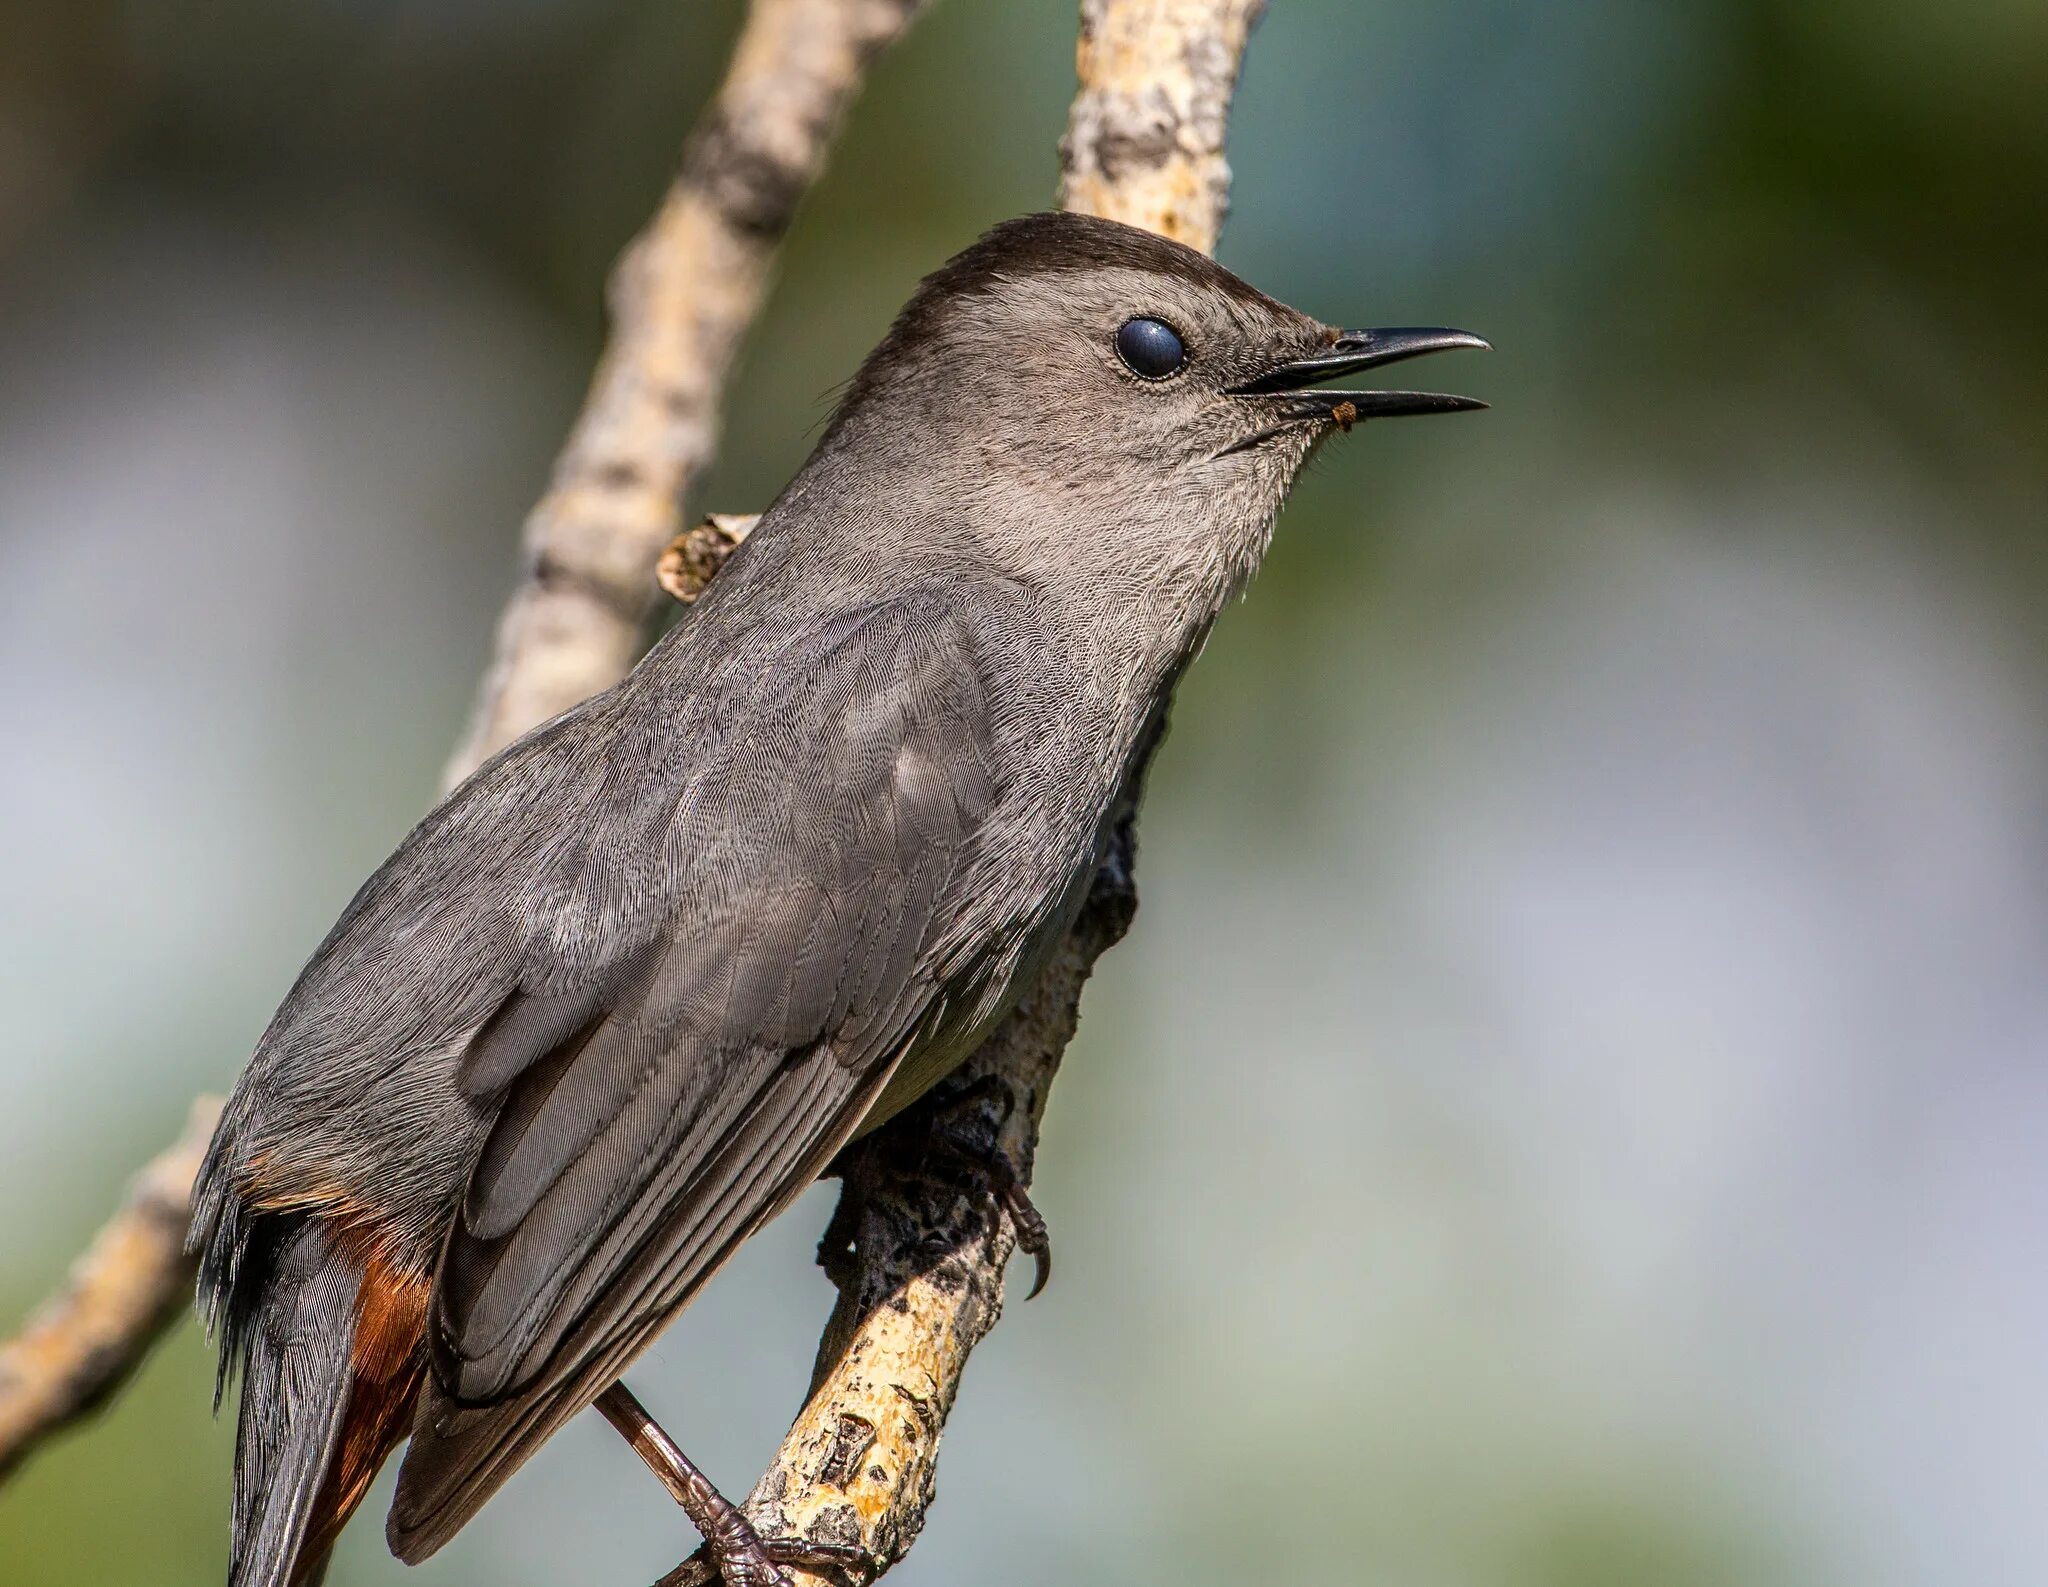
(1573, 1109)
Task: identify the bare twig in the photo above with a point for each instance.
(83, 1341)
(682, 297)
(920, 1265)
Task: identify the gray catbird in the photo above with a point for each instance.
(625, 992)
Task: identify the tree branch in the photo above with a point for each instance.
(1144, 142)
(682, 297)
(919, 1265)
(83, 1341)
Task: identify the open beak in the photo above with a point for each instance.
(1353, 351)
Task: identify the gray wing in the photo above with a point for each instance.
(652, 1118)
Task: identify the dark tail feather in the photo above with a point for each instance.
(295, 1390)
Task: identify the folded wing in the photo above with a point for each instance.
(650, 1118)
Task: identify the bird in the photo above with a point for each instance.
(627, 990)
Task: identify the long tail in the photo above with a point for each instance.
(332, 1356)
(296, 1377)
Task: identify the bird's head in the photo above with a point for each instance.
(1066, 370)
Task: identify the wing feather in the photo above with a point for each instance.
(651, 1122)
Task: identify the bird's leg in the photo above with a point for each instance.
(743, 1557)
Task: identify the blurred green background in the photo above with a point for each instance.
(1572, 1111)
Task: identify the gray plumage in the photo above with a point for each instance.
(298, 1374)
(621, 996)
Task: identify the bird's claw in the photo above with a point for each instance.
(1032, 1235)
(756, 1561)
(944, 1159)
(995, 1177)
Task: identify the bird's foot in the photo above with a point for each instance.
(744, 1558)
(946, 1148)
(948, 1161)
(740, 1555)
(751, 1560)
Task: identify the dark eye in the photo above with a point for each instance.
(1151, 348)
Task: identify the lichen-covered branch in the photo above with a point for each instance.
(919, 1261)
(1144, 141)
(682, 297)
(83, 1341)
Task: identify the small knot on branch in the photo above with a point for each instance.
(695, 555)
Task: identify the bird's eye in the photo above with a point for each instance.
(1151, 348)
